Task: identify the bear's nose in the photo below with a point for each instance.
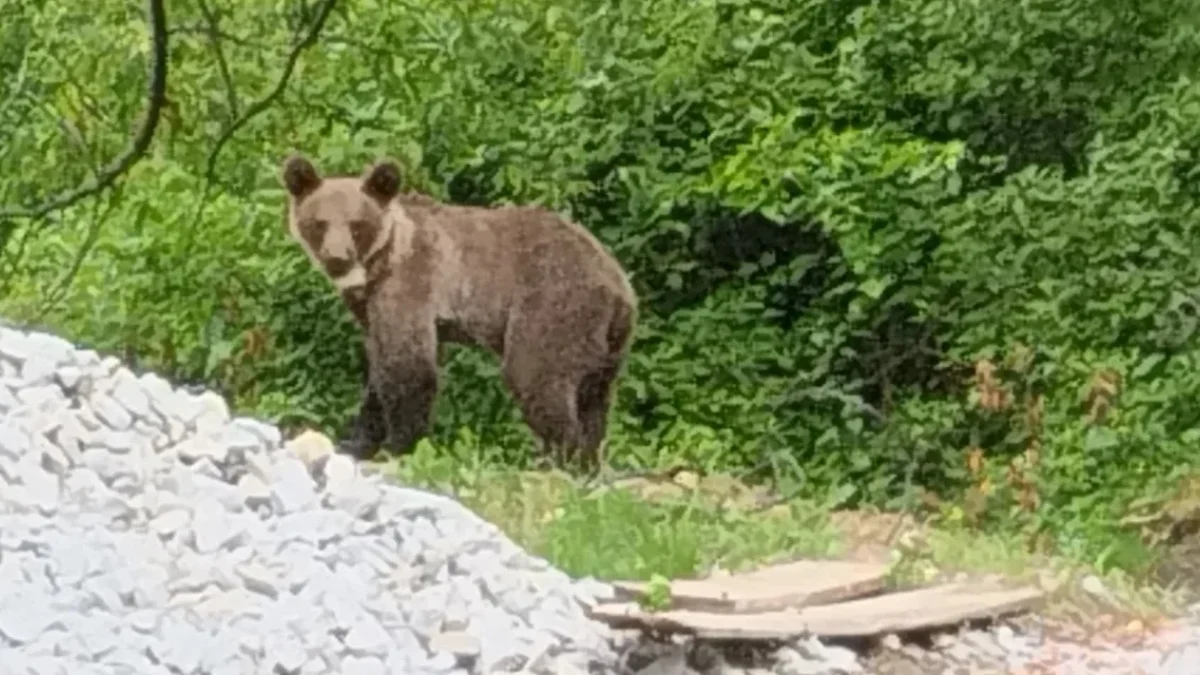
(338, 267)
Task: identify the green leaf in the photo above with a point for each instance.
(1099, 438)
(873, 288)
(1146, 365)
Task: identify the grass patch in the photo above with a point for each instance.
(684, 527)
(1078, 592)
(619, 533)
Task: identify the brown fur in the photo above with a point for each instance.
(533, 288)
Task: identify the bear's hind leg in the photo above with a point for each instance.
(594, 398)
(548, 402)
(549, 408)
(562, 352)
(598, 382)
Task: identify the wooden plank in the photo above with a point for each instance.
(772, 588)
(920, 609)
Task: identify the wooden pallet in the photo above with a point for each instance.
(811, 597)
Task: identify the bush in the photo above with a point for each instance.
(880, 246)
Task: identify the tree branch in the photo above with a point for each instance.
(214, 40)
(100, 213)
(18, 88)
(156, 95)
(308, 39)
(205, 30)
(260, 106)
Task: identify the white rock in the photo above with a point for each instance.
(53, 458)
(109, 365)
(363, 665)
(110, 412)
(1091, 584)
(285, 652)
(179, 645)
(461, 644)
(70, 377)
(367, 638)
(259, 579)
(69, 436)
(42, 487)
(212, 526)
(128, 393)
(254, 491)
(15, 441)
(44, 399)
(347, 488)
(266, 434)
(38, 354)
(169, 522)
(88, 359)
(122, 442)
(310, 446)
(38, 370)
(8, 402)
(25, 615)
(212, 413)
(292, 485)
(196, 448)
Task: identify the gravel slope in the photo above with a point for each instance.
(145, 530)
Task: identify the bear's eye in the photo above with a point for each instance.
(363, 234)
(317, 228)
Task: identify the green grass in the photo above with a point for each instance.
(619, 533)
(685, 527)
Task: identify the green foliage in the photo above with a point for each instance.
(832, 210)
(658, 594)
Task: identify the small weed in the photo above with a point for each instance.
(658, 594)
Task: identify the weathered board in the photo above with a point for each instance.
(777, 587)
(919, 609)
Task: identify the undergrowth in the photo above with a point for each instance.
(917, 255)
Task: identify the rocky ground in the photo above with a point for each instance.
(144, 529)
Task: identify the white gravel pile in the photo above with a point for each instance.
(144, 530)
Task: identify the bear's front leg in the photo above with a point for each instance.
(363, 435)
(402, 350)
(367, 431)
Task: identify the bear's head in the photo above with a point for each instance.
(341, 222)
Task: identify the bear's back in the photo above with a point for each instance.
(519, 248)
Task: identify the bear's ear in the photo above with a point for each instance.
(382, 180)
(300, 176)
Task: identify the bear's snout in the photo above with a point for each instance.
(338, 267)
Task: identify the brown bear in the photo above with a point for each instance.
(536, 289)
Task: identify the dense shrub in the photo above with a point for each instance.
(880, 244)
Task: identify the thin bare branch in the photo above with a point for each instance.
(156, 95)
(73, 133)
(204, 30)
(303, 42)
(87, 102)
(12, 262)
(260, 106)
(100, 213)
(18, 89)
(214, 40)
